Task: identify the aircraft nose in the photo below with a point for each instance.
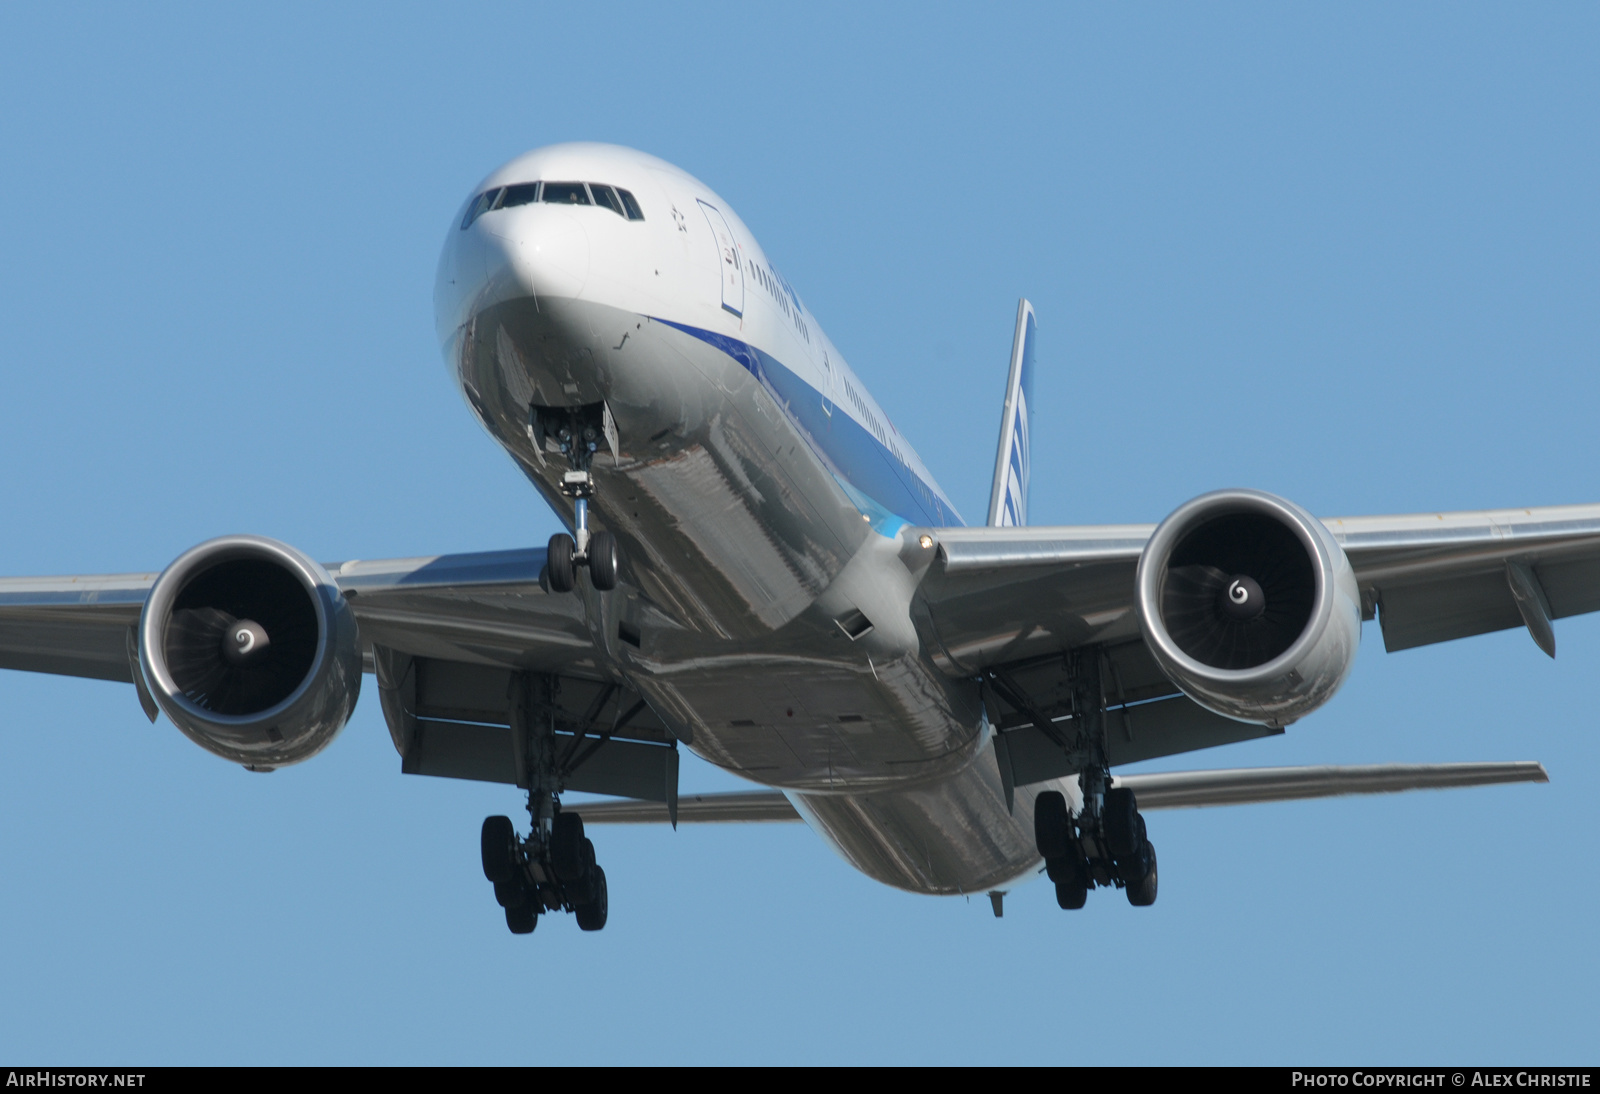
(539, 250)
(504, 255)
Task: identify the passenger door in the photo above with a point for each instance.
(732, 263)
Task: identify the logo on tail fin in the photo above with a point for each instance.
(1008, 499)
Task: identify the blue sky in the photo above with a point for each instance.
(1350, 255)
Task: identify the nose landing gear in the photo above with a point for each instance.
(597, 550)
(576, 432)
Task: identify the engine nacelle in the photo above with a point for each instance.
(248, 647)
(1250, 606)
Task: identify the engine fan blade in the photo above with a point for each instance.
(1196, 612)
(209, 668)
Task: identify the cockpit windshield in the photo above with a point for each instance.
(618, 200)
(523, 193)
(565, 193)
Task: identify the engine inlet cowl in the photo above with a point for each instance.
(247, 645)
(1250, 606)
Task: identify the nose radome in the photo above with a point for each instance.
(542, 250)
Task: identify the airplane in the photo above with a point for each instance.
(758, 568)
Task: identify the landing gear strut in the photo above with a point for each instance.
(553, 868)
(577, 433)
(1105, 844)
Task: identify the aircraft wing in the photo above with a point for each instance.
(1165, 790)
(444, 636)
(1002, 595)
(73, 626)
(485, 608)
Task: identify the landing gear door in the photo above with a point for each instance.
(731, 262)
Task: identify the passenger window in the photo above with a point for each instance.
(604, 195)
(483, 204)
(565, 193)
(520, 194)
(628, 203)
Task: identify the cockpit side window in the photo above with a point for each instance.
(521, 194)
(565, 193)
(632, 206)
(483, 203)
(605, 195)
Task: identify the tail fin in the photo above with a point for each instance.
(1008, 500)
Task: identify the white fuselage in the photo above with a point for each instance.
(761, 497)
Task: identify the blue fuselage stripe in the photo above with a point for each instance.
(887, 490)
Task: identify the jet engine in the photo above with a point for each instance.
(248, 647)
(1249, 605)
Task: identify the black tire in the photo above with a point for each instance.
(592, 915)
(1067, 866)
(566, 846)
(1130, 868)
(603, 560)
(1142, 893)
(1072, 893)
(1121, 815)
(582, 890)
(498, 844)
(511, 893)
(1052, 825)
(558, 561)
(522, 919)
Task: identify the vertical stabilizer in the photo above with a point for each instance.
(1008, 499)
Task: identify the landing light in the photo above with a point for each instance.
(925, 541)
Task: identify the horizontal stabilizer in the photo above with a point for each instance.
(1246, 785)
(1169, 790)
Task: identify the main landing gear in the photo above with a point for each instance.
(578, 432)
(553, 868)
(535, 875)
(1105, 844)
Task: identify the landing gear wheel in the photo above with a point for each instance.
(582, 890)
(1052, 824)
(1130, 868)
(1121, 823)
(499, 843)
(603, 557)
(511, 893)
(559, 563)
(566, 846)
(1142, 893)
(522, 919)
(1072, 892)
(592, 915)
